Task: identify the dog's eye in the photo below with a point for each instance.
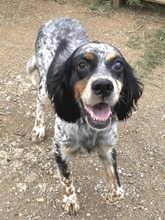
(81, 66)
(117, 66)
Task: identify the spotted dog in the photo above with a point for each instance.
(91, 87)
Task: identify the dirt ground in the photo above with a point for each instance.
(29, 184)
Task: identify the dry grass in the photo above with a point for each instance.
(153, 44)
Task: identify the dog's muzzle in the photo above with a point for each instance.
(98, 116)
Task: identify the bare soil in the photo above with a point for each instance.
(29, 184)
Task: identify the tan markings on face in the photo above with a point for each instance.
(89, 56)
(79, 88)
(110, 56)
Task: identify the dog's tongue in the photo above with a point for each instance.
(100, 112)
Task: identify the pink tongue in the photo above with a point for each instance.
(100, 112)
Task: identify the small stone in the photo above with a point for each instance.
(88, 214)
(33, 115)
(18, 153)
(32, 177)
(22, 186)
(141, 207)
(131, 181)
(40, 200)
(78, 190)
(119, 171)
(8, 98)
(14, 144)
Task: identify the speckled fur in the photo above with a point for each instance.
(59, 43)
(48, 40)
(72, 139)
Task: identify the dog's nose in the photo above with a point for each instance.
(102, 87)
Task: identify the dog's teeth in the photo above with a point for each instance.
(91, 113)
(94, 118)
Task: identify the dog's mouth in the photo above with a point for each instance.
(98, 116)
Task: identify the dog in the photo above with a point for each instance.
(91, 87)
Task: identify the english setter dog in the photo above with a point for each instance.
(91, 88)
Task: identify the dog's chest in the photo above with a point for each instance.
(80, 135)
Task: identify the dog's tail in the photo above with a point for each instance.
(31, 67)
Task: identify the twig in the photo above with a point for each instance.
(150, 18)
(163, 22)
(2, 113)
(135, 29)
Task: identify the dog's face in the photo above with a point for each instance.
(95, 82)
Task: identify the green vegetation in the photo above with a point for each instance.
(153, 45)
(155, 49)
(100, 6)
(138, 4)
(135, 42)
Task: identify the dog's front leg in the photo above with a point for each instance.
(70, 202)
(108, 158)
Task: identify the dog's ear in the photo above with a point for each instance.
(131, 92)
(60, 92)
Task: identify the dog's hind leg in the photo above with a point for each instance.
(38, 133)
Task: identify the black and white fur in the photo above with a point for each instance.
(91, 87)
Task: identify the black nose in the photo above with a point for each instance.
(102, 87)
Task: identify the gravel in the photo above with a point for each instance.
(29, 182)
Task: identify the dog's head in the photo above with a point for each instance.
(94, 83)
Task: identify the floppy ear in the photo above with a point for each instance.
(60, 93)
(131, 92)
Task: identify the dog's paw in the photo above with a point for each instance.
(38, 134)
(114, 195)
(71, 204)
